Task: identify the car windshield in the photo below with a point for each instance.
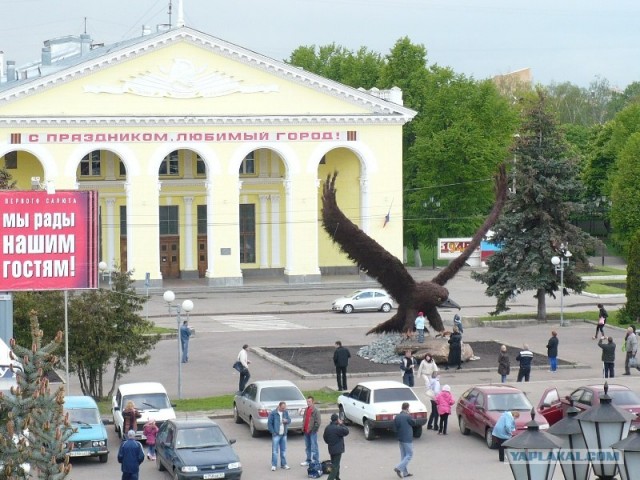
(394, 395)
(88, 416)
(148, 401)
(508, 401)
(280, 394)
(200, 437)
(624, 397)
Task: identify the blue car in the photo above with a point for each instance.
(90, 436)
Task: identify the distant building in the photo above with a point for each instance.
(511, 82)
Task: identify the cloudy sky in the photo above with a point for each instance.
(560, 40)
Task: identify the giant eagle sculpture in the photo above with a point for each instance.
(412, 297)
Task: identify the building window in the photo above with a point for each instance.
(201, 168)
(248, 166)
(202, 219)
(122, 169)
(169, 220)
(169, 165)
(247, 233)
(123, 220)
(90, 164)
(11, 160)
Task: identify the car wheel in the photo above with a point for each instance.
(236, 415)
(463, 426)
(103, 458)
(488, 437)
(369, 432)
(347, 308)
(252, 428)
(417, 431)
(343, 416)
(386, 308)
(117, 430)
(159, 465)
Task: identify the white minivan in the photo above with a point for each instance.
(149, 398)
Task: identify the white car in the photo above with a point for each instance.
(149, 398)
(365, 299)
(374, 405)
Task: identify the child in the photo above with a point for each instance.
(150, 431)
(444, 400)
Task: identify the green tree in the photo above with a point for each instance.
(625, 192)
(6, 180)
(51, 318)
(630, 313)
(535, 223)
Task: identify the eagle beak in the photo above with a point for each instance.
(448, 303)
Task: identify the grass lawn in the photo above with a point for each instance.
(605, 287)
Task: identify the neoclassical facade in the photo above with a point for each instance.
(208, 158)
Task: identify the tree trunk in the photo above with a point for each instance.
(417, 259)
(542, 306)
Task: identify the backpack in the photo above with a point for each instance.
(315, 470)
(327, 466)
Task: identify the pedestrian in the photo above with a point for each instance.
(310, 427)
(278, 424)
(341, 356)
(457, 322)
(455, 350)
(185, 333)
(130, 456)
(333, 436)
(150, 431)
(245, 375)
(420, 327)
(504, 429)
(602, 320)
(552, 351)
(504, 364)
(525, 358)
(407, 365)
(432, 391)
(444, 400)
(608, 356)
(631, 347)
(426, 369)
(404, 424)
(130, 416)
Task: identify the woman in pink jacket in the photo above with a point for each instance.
(444, 401)
(150, 431)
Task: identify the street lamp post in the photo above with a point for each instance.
(629, 458)
(186, 307)
(560, 263)
(568, 429)
(105, 271)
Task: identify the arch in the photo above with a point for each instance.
(368, 162)
(122, 151)
(208, 156)
(47, 161)
(287, 154)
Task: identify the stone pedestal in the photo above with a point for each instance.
(437, 347)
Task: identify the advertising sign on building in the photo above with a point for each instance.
(48, 241)
(450, 248)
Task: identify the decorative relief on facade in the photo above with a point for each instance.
(181, 80)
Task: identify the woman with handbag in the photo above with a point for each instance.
(602, 320)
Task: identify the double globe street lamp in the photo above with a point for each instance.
(560, 263)
(185, 307)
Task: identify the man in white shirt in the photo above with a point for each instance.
(244, 373)
(278, 425)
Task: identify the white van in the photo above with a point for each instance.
(149, 398)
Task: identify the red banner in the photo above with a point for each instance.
(48, 241)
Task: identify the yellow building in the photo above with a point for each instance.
(208, 158)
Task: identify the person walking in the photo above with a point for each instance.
(310, 427)
(130, 456)
(150, 431)
(602, 320)
(608, 356)
(552, 351)
(426, 369)
(631, 347)
(420, 327)
(185, 333)
(444, 401)
(278, 424)
(455, 350)
(504, 364)
(525, 358)
(404, 424)
(407, 365)
(341, 356)
(245, 375)
(432, 392)
(503, 430)
(333, 436)
(457, 322)
(130, 416)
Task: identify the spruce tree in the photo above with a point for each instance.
(535, 224)
(36, 428)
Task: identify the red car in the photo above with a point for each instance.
(554, 408)
(480, 407)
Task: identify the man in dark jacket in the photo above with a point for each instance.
(130, 455)
(608, 356)
(341, 356)
(408, 365)
(525, 357)
(404, 424)
(552, 351)
(333, 436)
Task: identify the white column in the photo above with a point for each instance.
(264, 231)
(187, 163)
(130, 237)
(275, 231)
(188, 234)
(210, 231)
(111, 223)
(289, 266)
(364, 204)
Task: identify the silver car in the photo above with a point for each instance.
(365, 299)
(258, 399)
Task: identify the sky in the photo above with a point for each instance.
(573, 41)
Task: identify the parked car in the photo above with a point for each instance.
(374, 405)
(554, 408)
(366, 299)
(479, 408)
(258, 399)
(151, 400)
(191, 449)
(90, 436)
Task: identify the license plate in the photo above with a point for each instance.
(294, 412)
(213, 475)
(79, 453)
